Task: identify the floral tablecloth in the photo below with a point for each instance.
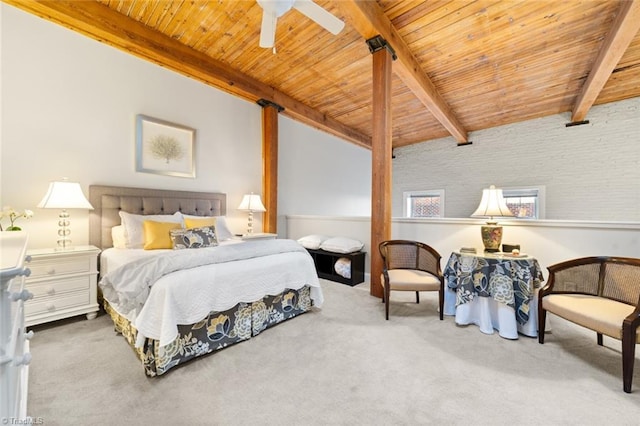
(507, 280)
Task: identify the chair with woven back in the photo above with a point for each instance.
(410, 266)
(601, 293)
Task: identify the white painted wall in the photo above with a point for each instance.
(68, 110)
(591, 172)
(548, 241)
(320, 174)
(69, 107)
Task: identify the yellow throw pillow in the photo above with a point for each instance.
(199, 223)
(157, 235)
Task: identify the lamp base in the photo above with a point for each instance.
(64, 242)
(250, 223)
(491, 237)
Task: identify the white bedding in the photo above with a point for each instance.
(113, 258)
(188, 295)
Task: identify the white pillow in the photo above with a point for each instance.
(133, 226)
(222, 230)
(119, 237)
(341, 245)
(312, 241)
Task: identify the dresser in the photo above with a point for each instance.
(14, 341)
(63, 283)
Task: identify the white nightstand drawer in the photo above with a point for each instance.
(63, 284)
(51, 305)
(54, 287)
(49, 268)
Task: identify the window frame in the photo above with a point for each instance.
(407, 195)
(537, 191)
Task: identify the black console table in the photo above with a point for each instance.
(325, 261)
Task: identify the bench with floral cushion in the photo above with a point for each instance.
(601, 294)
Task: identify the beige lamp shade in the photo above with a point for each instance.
(252, 203)
(492, 204)
(65, 195)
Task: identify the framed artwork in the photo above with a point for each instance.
(164, 148)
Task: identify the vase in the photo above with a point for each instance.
(491, 237)
(13, 228)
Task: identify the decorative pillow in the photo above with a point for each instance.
(118, 237)
(194, 238)
(312, 241)
(220, 223)
(198, 222)
(341, 245)
(133, 226)
(157, 235)
(343, 267)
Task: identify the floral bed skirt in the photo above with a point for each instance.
(217, 331)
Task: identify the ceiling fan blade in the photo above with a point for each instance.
(268, 29)
(319, 16)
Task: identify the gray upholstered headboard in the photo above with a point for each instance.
(108, 201)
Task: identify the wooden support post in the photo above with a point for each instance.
(270, 164)
(381, 152)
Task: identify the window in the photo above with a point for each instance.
(526, 203)
(423, 203)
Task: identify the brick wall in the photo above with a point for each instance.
(590, 172)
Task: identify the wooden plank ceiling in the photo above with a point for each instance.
(487, 63)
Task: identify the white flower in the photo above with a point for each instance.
(13, 216)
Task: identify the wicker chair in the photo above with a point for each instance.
(601, 294)
(410, 266)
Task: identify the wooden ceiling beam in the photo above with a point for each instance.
(369, 20)
(108, 26)
(624, 29)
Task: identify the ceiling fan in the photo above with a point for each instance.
(273, 9)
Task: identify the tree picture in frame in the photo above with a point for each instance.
(164, 148)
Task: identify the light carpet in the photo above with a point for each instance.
(342, 364)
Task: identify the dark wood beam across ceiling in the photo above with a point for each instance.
(369, 20)
(108, 26)
(480, 64)
(623, 30)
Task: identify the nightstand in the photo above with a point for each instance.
(63, 283)
(258, 236)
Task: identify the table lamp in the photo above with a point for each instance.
(64, 195)
(492, 205)
(251, 203)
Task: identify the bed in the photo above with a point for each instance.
(172, 306)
